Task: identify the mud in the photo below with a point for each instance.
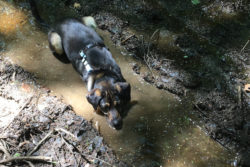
(30, 113)
(195, 53)
(202, 61)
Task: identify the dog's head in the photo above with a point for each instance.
(109, 99)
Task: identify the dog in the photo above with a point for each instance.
(76, 42)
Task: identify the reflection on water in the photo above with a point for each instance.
(157, 131)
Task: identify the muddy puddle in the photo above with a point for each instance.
(158, 130)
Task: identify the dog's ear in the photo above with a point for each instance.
(124, 90)
(94, 97)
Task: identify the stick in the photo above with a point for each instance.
(154, 33)
(30, 163)
(38, 145)
(3, 148)
(127, 38)
(70, 149)
(65, 131)
(25, 105)
(57, 157)
(83, 156)
(27, 158)
(200, 110)
(244, 46)
(98, 159)
(239, 96)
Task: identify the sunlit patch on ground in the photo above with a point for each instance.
(197, 150)
(9, 109)
(11, 18)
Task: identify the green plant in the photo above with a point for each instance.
(195, 2)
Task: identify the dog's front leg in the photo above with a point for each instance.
(90, 83)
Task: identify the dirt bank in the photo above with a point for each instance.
(195, 52)
(38, 128)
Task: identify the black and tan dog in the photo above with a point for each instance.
(72, 41)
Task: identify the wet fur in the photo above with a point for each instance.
(106, 85)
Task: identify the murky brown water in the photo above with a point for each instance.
(157, 131)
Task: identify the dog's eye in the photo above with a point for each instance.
(117, 102)
(105, 106)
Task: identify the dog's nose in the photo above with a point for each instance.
(114, 119)
(117, 124)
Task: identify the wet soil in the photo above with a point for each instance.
(196, 52)
(30, 114)
(189, 53)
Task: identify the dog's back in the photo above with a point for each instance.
(75, 36)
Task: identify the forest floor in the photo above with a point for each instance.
(209, 69)
(200, 64)
(38, 129)
(202, 61)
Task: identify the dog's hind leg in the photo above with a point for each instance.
(55, 44)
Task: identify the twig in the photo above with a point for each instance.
(98, 159)
(3, 148)
(25, 105)
(70, 149)
(39, 144)
(57, 157)
(29, 163)
(27, 158)
(83, 156)
(23, 143)
(196, 106)
(127, 38)
(65, 131)
(244, 46)
(239, 96)
(157, 30)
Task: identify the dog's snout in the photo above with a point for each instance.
(115, 119)
(117, 124)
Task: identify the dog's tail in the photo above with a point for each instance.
(35, 13)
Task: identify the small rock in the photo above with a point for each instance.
(90, 148)
(159, 85)
(98, 141)
(44, 119)
(70, 122)
(148, 78)
(136, 68)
